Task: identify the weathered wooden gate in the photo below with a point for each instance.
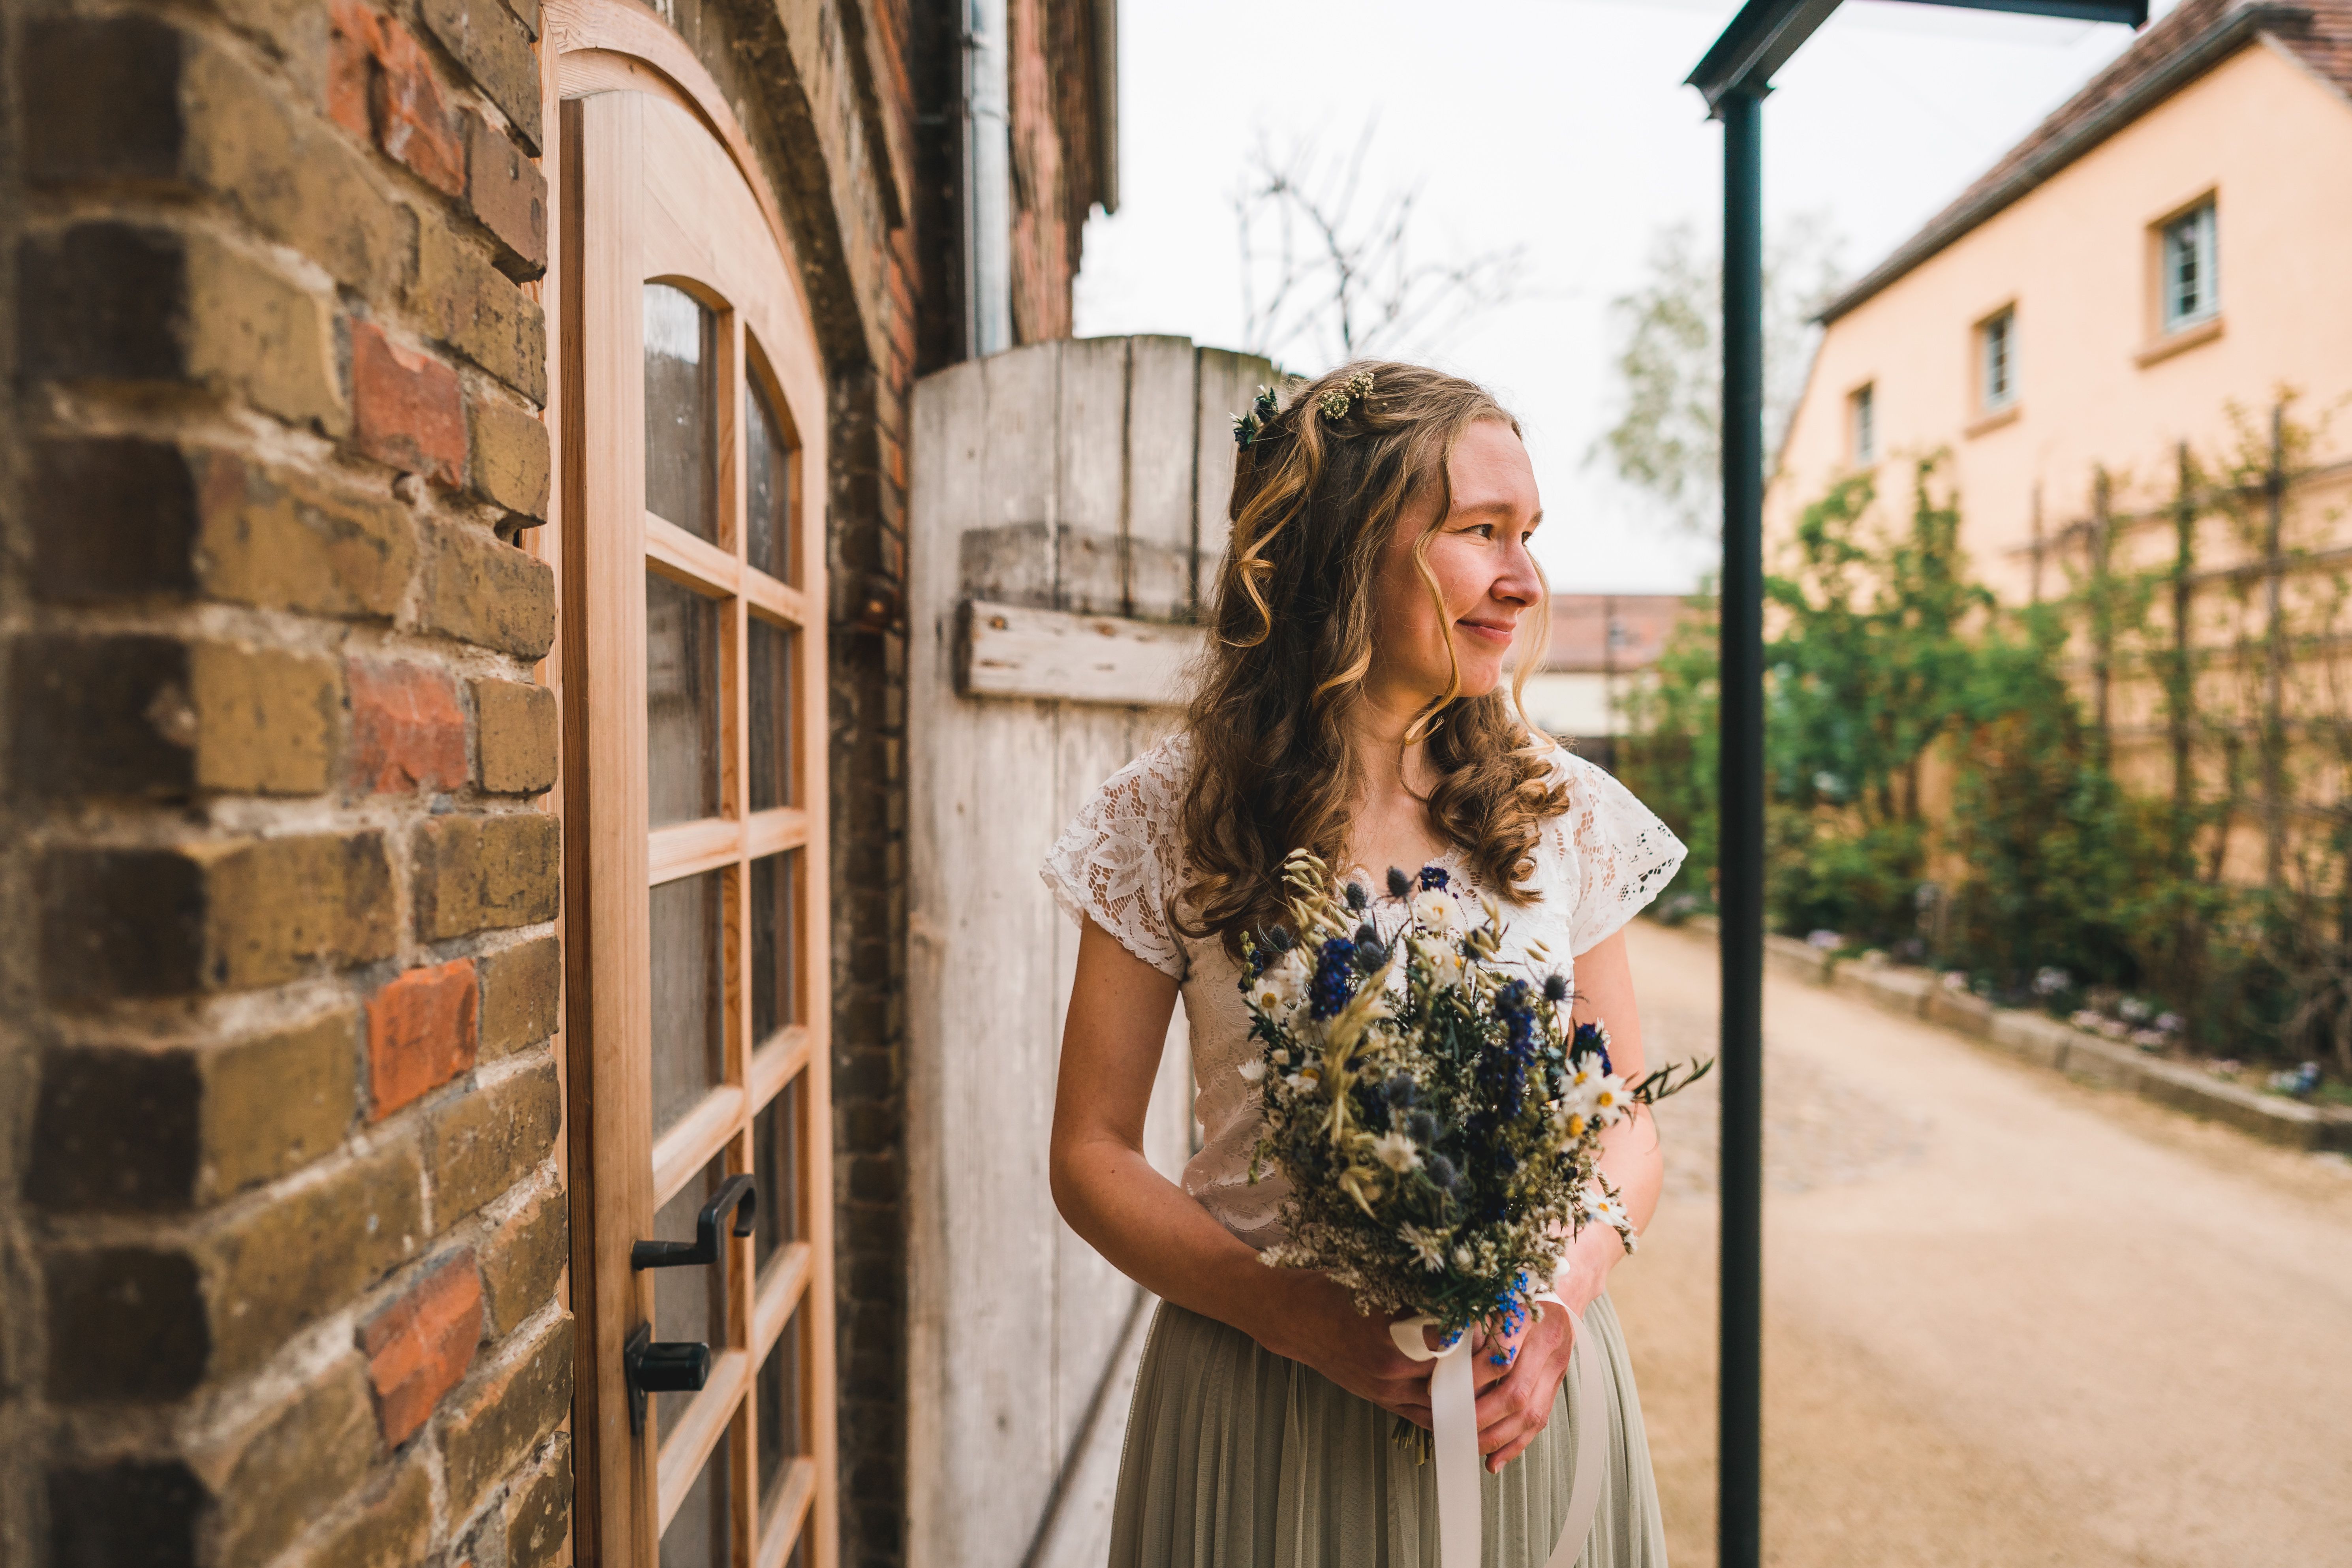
(1067, 507)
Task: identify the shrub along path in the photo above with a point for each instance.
(2010, 1319)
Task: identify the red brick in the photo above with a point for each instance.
(408, 410)
(412, 122)
(355, 37)
(420, 1347)
(406, 729)
(422, 1032)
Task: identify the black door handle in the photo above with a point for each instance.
(665, 1366)
(682, 1366)
(738, 1193)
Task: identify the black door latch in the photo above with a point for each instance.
(683, 1366)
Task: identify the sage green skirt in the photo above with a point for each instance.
(1237, 1458)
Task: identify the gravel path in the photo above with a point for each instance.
(2010, 1321)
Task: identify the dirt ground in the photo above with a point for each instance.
(2009, 1320)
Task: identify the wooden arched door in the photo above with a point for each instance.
(696, 928)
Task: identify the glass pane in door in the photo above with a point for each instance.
(776, 1160)
(681, 410)
(774, 947)
(771, 661)
(701, 1533)
(688, 981)
(681, 702)
(780, 1411)
(689, 1303)
(768, 496)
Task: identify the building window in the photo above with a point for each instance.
(1997, 360)
(1862, 423)
(2191, 271)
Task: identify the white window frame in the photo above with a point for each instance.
(1862, 423)
(1997, 360)
(2199, 227)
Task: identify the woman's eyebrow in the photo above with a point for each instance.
(1490, 508)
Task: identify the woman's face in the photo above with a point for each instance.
(1484, 574)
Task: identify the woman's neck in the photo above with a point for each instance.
(1394, 780)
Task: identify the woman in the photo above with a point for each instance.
(1351, 702)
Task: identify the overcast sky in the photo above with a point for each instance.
(1560, 125)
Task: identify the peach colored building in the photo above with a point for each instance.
(2175, 238)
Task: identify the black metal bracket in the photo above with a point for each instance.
(664, 1366)
(739, 1194)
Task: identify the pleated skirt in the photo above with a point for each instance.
(1236, 1457)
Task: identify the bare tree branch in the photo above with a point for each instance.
(1329, 272)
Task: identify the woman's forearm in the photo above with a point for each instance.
(1159, 1236)
(1634, 1165)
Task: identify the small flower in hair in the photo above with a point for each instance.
(1249, 426)
(1336, 402)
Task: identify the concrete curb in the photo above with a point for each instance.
(2046, 1042)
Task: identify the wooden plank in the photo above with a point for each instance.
(690, 849)
(1090, 477)
(1006, 650)
(1160, 399)
(695, 1139)
(684, 1450)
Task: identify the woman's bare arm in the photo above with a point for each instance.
(1154, 1232)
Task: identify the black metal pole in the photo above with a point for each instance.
(1740, 894)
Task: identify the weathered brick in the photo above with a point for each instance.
(523, 988)
(414, 124)
(280, 905)
(221, 915)
(527, 13)
(294, 179)
(125, 1323)
(276, 1477)
(130, 1513)
(510, 457)
(509, 195)
(100, 716)
(484, 873)
(419, 1345)
(307, 1253)
(514, 736)
(354, 38)
(278, 539)
(540, 1514)
(407, 731)
(421, 1033)
(522, 1262)
(103, 301)
(100, 98)
(482, 1144)
(476, 309)
(488, 41)
(393, 1526)
(109, 518)
(160, 1129)
(406, 410)
(504, 1414)
(115, 1129)
(480, 591)
(276, 1101)
(256, 333)
(266, 720)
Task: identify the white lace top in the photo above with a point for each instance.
(1118, 863)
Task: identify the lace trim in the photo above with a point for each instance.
(1117, 862)
(1622, 856)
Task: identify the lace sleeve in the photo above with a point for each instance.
(1623, 856)
(1117, 862)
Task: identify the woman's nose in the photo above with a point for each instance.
(1520, 583)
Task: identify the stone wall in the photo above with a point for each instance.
(282, 1221)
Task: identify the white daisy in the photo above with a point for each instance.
(1435, 910)
(1428, 1246)
(1395, 1150)
(1252, 1070)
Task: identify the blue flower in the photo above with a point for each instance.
(1431, 877)
(1357, 897)
(1333, 983)
(1400, 885)
(1555, 988)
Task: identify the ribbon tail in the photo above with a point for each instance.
(1453, 1411)
(1589, 1433)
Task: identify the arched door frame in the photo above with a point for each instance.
(605, 46)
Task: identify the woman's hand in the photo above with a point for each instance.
(1516, 1399)
(1316, 1321)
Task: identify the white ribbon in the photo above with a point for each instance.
(1453, 1407)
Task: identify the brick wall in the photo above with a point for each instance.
(280, 1222)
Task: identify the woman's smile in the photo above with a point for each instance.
(1499, 632)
